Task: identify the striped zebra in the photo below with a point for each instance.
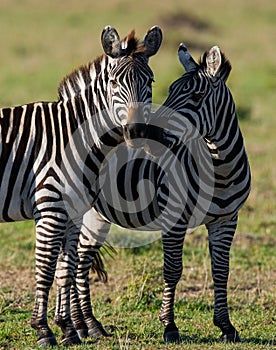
(203, 177)
(51, 153)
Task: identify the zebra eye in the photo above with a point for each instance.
(114, 84)
(197, 96)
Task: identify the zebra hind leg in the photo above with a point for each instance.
(92, 237)
(220, 240)
(81, 310)
(95, 328)
(76, 313)
(65, 276)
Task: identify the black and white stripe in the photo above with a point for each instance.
(203, 178)
(51, 153)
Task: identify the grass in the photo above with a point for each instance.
(42, 43)
(129, 304)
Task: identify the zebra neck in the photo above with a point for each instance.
(92, 118)
(228, 151)
(226, 138)
(85, 91)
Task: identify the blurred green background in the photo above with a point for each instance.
(41, 42)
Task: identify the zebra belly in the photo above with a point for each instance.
(147, 220)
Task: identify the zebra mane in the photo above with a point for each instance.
(77, 83)
(79, 79)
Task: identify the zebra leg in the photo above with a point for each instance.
(81, 307)
(172, 247)
(93, 233)
(65, 276)
(220, 240)
(48, 242)
(76, 313)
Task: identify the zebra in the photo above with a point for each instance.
(51, 152)
(202, 177)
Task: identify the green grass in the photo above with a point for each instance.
(40, 44)
(130, 302)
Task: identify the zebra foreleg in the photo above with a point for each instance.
(172, 246)
(65, 276)
(39, 319)
(220, 240)
(48, 243)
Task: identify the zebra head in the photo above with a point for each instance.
(197, 102)
(129, 85)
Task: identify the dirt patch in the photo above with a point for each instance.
(181, 20)
(187, 26)
(11, 278)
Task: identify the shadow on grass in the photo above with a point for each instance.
(8, 310)
(19, 312)
(186, 339)
(195, 339)
(258, 341)
(13, 313)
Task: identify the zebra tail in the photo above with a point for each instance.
(98, 261)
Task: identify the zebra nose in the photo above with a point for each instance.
(137, 130)
(135, 114)
(135, 134)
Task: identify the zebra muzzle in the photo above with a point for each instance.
(135, 134)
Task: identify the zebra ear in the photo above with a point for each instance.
(186, 59)
(152, 41)
(111, 41)
(213, 60)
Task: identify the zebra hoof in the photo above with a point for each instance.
(98, 331)
(83, 333)
(49, 341)
(171, 334)
(231, 338)
(73, 340)
(172, 337)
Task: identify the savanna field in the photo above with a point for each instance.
(40, 43)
